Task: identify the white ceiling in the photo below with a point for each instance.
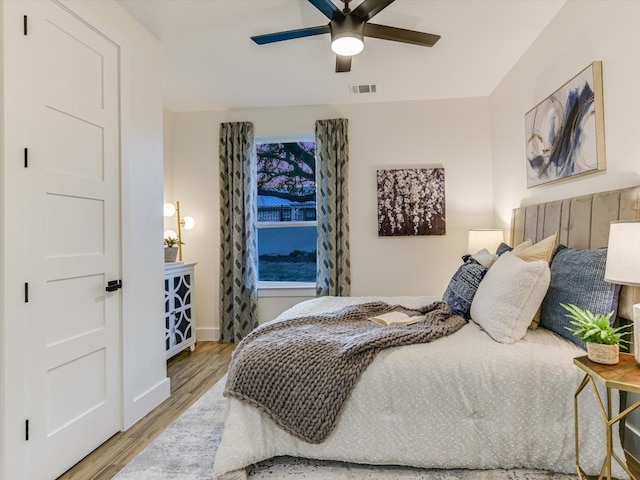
(211, 63)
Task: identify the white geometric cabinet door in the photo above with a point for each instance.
(179, 307)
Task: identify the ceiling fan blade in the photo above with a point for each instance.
(327, 7)
(400, 35)
(343, 64)
(290, 34)
(369, 8)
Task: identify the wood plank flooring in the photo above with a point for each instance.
(192, 374)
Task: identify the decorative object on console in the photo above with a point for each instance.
(170, 248)
(489, 238)
(603, 340)
(411, 202)
(183, 222)
(623, 266)
(565, 132)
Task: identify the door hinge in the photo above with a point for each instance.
(26, 157)
(26, 292)
(24, 25)
(26, 430)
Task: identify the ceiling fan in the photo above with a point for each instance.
(348, 29)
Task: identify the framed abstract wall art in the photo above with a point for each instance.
(411, 202)
(565, 132)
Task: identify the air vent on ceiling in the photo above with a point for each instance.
(363, 88)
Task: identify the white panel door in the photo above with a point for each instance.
(73, 231)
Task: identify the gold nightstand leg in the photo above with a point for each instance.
(607, 460)
(583, 384)
(610, 422)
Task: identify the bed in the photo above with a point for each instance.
(464, 400)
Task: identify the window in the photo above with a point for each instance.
(287, 226)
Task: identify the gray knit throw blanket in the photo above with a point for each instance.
(301, 371)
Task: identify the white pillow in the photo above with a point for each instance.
(484, 258)
(509, 296)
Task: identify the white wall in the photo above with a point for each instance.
(3, 353)
(451, 133)
(581, 33)
(145, 383)
(168, 158)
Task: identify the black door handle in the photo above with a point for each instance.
(113, 285)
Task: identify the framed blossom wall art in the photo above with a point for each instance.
(565, 132)
(411, 202)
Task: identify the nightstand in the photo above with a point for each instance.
(624, 377)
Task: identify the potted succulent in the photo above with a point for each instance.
(603, 341)
(171, 248)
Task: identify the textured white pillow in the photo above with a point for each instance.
(509, 296)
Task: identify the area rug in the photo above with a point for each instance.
(186, 449)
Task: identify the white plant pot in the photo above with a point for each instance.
(170, 254)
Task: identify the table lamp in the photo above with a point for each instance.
(623, 266)
(488, 238)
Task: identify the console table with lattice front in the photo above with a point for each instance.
(179, 307)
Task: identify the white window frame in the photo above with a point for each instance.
(285, 289)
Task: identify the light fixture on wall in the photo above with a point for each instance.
(187, 223)
(623, 266)
(488, 238)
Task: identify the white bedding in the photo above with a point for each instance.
(463, 401)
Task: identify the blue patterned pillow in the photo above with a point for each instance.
(577, 277)
(463, 285)
(502, 248)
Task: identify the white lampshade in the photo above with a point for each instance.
(623, 253)
(488, 238)
(347, 45)
(170, 234)
(623, 266)
(188, 223)
(169, 209)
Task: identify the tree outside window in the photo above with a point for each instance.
(287, 227)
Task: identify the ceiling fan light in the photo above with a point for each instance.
(347, 45)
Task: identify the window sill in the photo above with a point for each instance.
(286, 289)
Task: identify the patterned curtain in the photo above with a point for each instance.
(332, 165)
(238, 235)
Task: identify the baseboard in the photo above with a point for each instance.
(207, 334)
(145, 402)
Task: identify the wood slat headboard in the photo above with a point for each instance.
(581, 222)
